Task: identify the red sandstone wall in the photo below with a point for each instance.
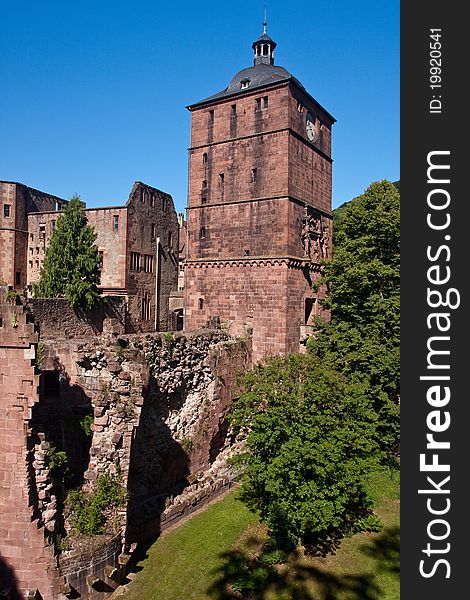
(310, 176)
(112, 243)
(21, 237)
(249, 291)
(151, 217)
(248, 119)
(299, 104)
(37, 242)
(257, 229)
(236, 159)
(7, 233)
(263, 214)
(22, 543)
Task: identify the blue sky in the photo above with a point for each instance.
(93, 94)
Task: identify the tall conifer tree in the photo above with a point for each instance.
(71, 267)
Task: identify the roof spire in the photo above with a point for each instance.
(264, 45)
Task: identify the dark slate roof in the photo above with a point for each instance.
(264, 37)
(259, 76)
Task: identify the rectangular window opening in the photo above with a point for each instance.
(135, 261)
(310, 310)
(145, 307)
(148, 263)
(7, 211)
(266, 101)
(254, 175)
(116, 223)
(258, 103)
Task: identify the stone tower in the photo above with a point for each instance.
(259, 205)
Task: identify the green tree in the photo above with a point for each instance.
(310, 443)
(362, 341)
(71, 265)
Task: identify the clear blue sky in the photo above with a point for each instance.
(93, 94)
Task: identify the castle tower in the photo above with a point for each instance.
(259, 205)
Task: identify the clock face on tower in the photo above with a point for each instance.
(310, 127)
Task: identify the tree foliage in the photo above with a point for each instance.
(310, 442)
(318, 423)
(362, 340)
(71, 265)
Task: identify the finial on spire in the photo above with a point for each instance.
(265, 23)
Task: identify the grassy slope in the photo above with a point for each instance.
(185, 562)
(179, 564)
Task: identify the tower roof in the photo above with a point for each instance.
(263, 73)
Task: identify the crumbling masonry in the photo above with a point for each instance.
(159, 404)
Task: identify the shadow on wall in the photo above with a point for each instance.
(8, 582)
(62, 414)
(59, 424)
(159, 466)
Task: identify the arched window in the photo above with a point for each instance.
(204, 158)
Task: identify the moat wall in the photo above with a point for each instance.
(159, 404)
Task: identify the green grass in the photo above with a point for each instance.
(212, 550)
(179, 564)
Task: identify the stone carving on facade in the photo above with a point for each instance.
(311, 235)
(325, 241)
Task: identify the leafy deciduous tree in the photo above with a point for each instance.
(363, 276)
(310, 442)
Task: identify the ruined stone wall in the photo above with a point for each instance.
(160, 404)
(58, 320)
(12, 234)
(27, 561)
(152, 251)
(179, 452)
(40, 228)
(111, 241)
